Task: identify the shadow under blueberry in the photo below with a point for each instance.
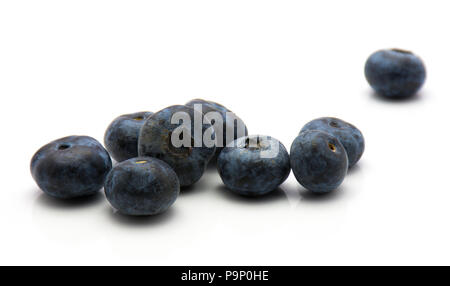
(298, 191)
(75, 203)
(307, 196)
(202, 185)
(196, 188)
(354, 170)
(212, 164)
(396, 100)
(229, 195)
(127, 220)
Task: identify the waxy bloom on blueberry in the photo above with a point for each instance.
(349, 136)
(121, 136)
(395, 73)
(142, 186)
(253, 165)
(318, 161)
(181, 137)
(70, 167)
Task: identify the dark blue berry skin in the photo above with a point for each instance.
(142, 186)
(244, 171)
(121, 136)
(229, 124)
(189, 162)
(349, 136)
(395, 73)
(319, 161)
(71, 167)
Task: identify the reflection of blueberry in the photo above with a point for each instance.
(319, 161)
(71, 167)
(395, 73)
(253, 165)
(188, 161)
(121, 137)
(230, 122)
(346, 133)
(142, 186)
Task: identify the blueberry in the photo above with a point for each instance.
(190, 157)
(319, 161)
(231, 123)
(121, 137)
(349, 136)
(395, 73)
(142, 186)
(253, 165)
(71, 167)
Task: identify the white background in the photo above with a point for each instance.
(70, 67)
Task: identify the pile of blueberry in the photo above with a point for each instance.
(151, 168)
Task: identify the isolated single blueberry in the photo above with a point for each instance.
(71, 167)
(121, 136)
(142, 186)
(349, 136)
(253, 165)
(319, 161)
(189, 158)
(395, 73)
(232, 124)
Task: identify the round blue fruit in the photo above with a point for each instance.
(70, 167)
(349, 136)
(142, 186)
(253, 165)
(189, 160)
(231, 121)
(319, 161)
(395, 73)
(121, 136)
